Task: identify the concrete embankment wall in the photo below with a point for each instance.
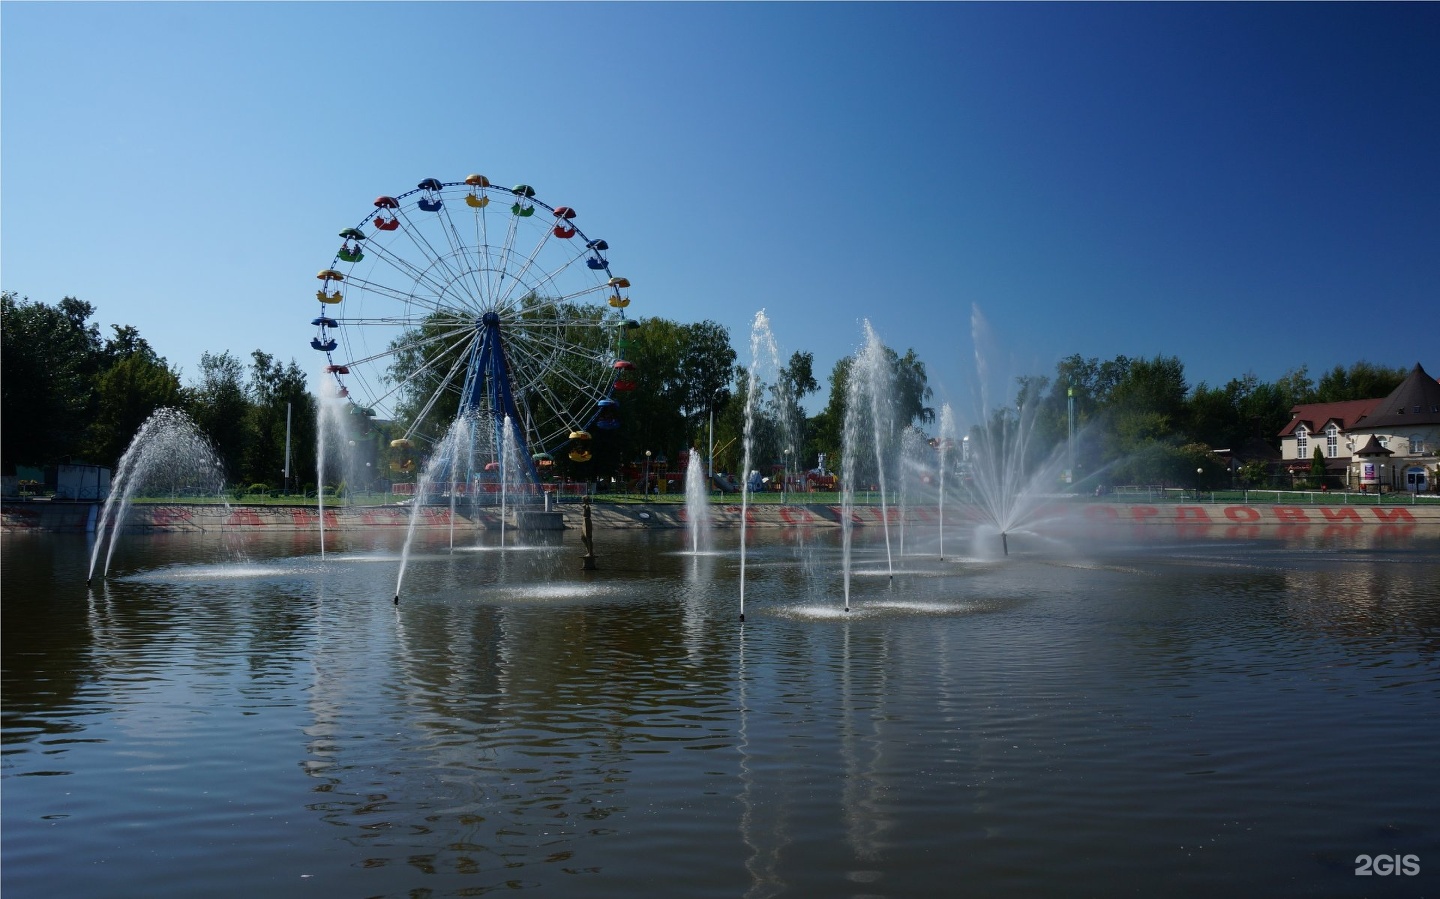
(183, 517)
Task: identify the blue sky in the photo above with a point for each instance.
(1249, 187)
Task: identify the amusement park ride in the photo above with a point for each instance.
(441, 305)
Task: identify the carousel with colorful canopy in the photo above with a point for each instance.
(440, 305)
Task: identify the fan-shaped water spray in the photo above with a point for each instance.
(1011, 478)
(168, 456)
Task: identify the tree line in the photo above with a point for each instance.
(72, 394)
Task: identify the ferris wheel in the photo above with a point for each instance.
(465, 300)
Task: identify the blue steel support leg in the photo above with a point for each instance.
(489, 376)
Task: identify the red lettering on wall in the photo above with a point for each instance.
(1241, 513)
(246, 517)
(1191, 513)
(1396, 514)
(1344, 513)
(1096, 513)
(1143, 513)
(162, 516)
(1290, 513)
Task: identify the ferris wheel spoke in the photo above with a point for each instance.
(394, 293)
(422, 244)
(518, 280)
(552, 278)
(449, 341)
(482, 254)
(405, 268)
(445, 385)
(507, 251)
(459, 252)
(545, 370)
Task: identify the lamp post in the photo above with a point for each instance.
(645, 488)
(712, 430)
(785, 476)
(1198, 473)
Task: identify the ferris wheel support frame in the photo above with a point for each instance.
(488, 376)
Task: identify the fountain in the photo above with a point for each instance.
(1009, 491)
(947, 442)
(915, 470)
(511, 477)
(167, 453)
(867, 408)
(760, 339)
(697, 504)
(442, 463)
(330, 432)
(769, 432)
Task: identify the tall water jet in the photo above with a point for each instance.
(442, 463)
(868, 397)
(769, 435)
(947, 442)
(168, 452)
(761, 341)
(512, 478)
(330, 443)
(913, 476)
(697, 503)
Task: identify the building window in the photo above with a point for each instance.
(1417, 445)
(1302, 442)
(1332, 441)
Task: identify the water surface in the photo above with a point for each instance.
(1192, 717)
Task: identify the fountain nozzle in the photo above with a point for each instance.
(1004, 543)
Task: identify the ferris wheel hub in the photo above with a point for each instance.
(490, 319)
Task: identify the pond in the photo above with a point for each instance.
(1195, 716)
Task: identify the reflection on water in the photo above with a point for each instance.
(1161, 712)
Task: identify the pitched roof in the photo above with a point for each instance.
(1315, 415)
(1415, 402)
(1372, 447)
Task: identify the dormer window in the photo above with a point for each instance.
(1416, 410)
(1332, 440)
(1302, 442)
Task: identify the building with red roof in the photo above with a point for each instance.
(1391, 443)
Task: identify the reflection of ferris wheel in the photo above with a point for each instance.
(460, 300)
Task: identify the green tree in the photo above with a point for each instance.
(911, 390)
(275, 389)
(681, 370)
(1317, 468)
(132, 385)
(218, 405)
(50, 356)
(1361, 381)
